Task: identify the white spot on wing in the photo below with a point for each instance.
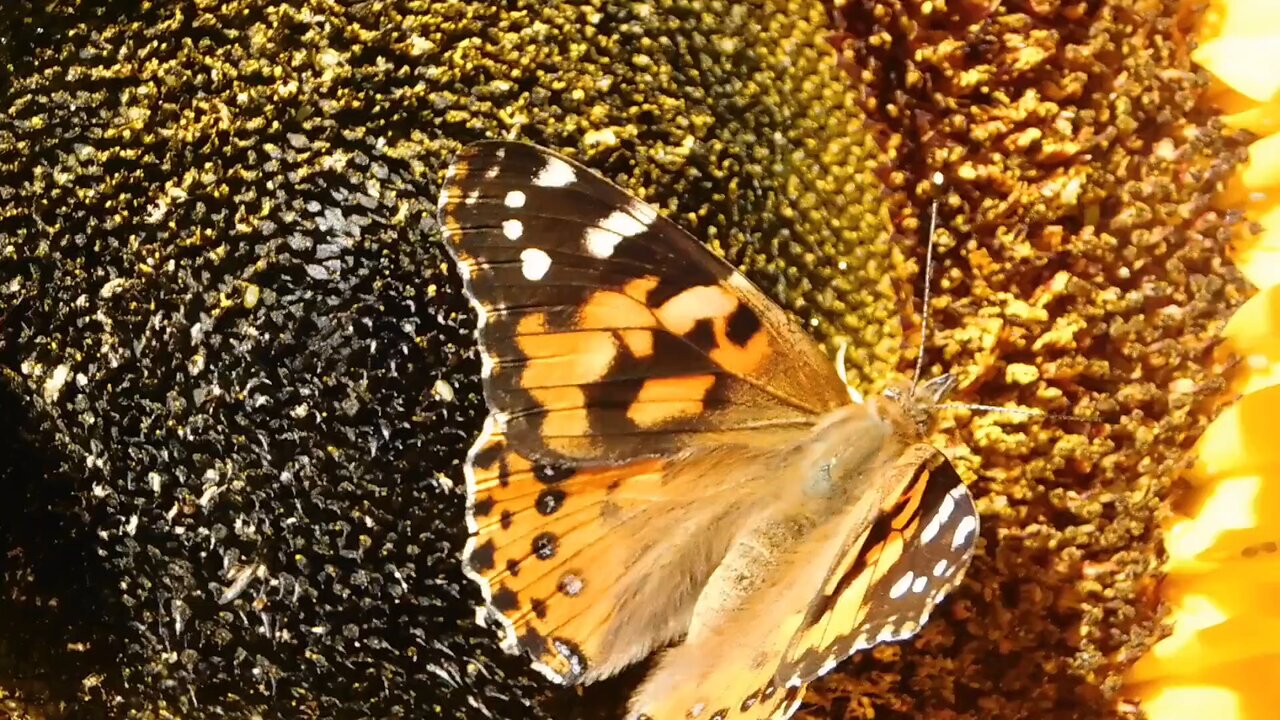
(941, 568)
(623, 223)
(600, 242)
(556, 173)
(919, 584)
(547, 671)
(513, 229)
(900, 587)
(945, 509)
(445, 199)
(514, 199)
(963, 531)
(643, 211)
(534, 263)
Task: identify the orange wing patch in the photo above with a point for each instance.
(850, 607)
(560, 358)
(565, 365)
(565, 413)
(740, 359)
(894, 575)
(682, 312)
(740, 350)
(607, 309)
(664, 399)
(537, 546)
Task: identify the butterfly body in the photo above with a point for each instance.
(669, 458)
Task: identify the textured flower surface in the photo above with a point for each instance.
(1222, 657)
(237, 378)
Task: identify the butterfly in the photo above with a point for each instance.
(670, 462)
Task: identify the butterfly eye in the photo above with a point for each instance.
(936, 390)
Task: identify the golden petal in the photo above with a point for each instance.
(1253, 335)
(1211, 632)
(1246, 64)
(1242, 440)
(1248, 115)
(1223, 654)
(1242, 692)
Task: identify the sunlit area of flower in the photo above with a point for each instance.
(1223, 654)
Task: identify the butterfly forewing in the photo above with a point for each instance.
(609, 334)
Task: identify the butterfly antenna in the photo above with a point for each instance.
(1024, 412)
(928, 283)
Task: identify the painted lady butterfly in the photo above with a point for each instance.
(668, 457)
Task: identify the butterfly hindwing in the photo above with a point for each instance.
(608, 333)
(741, 629)
(847, 583)
(890, 578)
(588, 570)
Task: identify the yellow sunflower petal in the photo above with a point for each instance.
(1259, 257)
(1221, 530)
(1222, 658)
(1242, 441)
(1262, 172)
(1253, 334)
(1262, 119)
(1242, 18)
(1241, 46)
(1214, 631)
(1245, 63)
(1244, 692)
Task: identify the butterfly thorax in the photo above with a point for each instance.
(851, 445)
(911, 407)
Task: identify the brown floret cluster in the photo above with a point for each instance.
(1081, 272)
